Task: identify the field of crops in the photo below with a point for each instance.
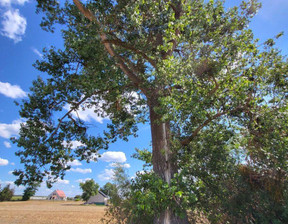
(52, 212)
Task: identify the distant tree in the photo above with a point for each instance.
(89, 188)
(109, 189)
(77, 198)
(6, 193)
(119, 203)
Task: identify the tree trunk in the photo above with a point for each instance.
(163, 163)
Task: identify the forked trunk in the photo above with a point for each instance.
(163, 163)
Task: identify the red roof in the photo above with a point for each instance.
(61, 193)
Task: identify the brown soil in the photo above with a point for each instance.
(49, 212)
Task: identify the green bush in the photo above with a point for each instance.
(6, 193)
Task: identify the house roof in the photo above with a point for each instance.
(104, 195)
(61, 193)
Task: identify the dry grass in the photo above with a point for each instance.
(49, 212)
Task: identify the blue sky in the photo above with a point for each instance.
(21, 43)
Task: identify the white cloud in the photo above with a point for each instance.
(75, 163)
(74, 144)
(88, 114)
(8, 3)
(79, 170)
(108, 174)
(10, 172)
(125, 165)
(7, 144)
(83, 180)
(112, 156)
(8, 130)
(12, 91)
(37, 52)
(59, 181)
(21, 2)
(13, 25)
(13, 164)
(4, 162)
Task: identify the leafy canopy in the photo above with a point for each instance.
(194, 63)
(89, 188)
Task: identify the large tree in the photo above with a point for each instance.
(188, 68)
(89, 188)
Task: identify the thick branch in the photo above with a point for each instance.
(129, 47)
(178, 12)
(186, 141)
(134, 78)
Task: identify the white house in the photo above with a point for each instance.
(57, 195)
(99, 199)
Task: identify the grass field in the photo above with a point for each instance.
(44, 212)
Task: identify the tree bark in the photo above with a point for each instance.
(163, 162)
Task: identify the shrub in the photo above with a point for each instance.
(6, 193)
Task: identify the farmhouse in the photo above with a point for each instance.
(57, 195)
(99, 199)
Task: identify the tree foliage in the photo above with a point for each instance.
(30, 191)
(89, 188)
(109, 189)
(215, 97)
(6, 193)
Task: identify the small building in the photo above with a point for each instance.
(99, 199)
(38, 198)
(57, 195)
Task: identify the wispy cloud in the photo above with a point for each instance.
(8, 3)
(9, 130)
(12, 91)
(37, 52)
(4, 162)
(74, 163)
(108, 174)
(7, 144)
(125, 165)
(13, 25)
(59, 181)
(79, 170)
(83, 180)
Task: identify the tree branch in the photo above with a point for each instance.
(186, 141)
(134, 78)
(216, 87)
(121, 43)
(76, 106)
